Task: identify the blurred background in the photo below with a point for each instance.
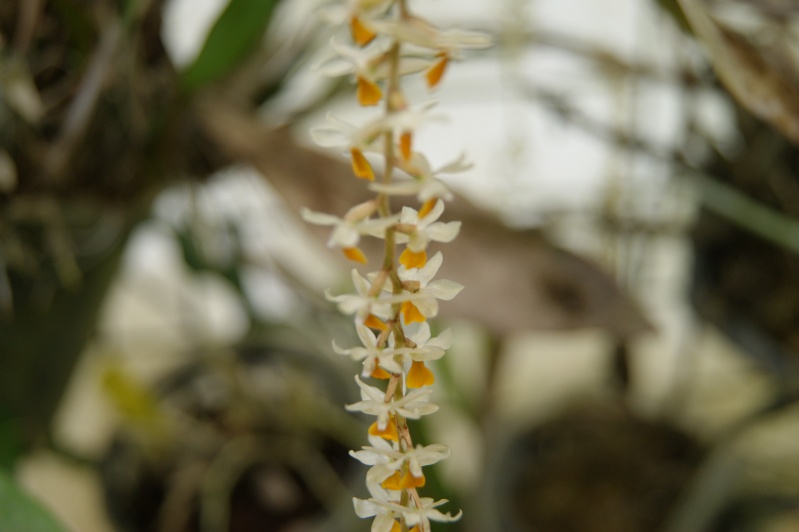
(625, 350)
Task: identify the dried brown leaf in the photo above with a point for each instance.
(514, 280)
(767, 91)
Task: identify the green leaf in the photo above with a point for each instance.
(11, 441)
(20, 513)
(237, 30)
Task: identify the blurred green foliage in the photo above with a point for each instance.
(239, 28)
(20, 513)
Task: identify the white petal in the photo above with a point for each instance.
(443, 232)
(379, 473)
(409, 216)
(352, 304)
(457, 38)
(340, 351)
(369, 392)
(334, 14)
(428, 306)
(379, 494)
(365, 507)
(319, 218)
(433, 188)
(361, 285)
(418, 411)
(422, 334)
(389, 364)
(399, 188)
(345, 236)
(427, 354)
(458, 165)
(418, 242)
(429, 270)
(433, 215)
(422, 165)
(382, 523)
(335, 67)
(444, 289)
(328, 137)
(361, 211)
(436, 515)
(368, 457)
(443, 340)
(408, 65)
(367, 337)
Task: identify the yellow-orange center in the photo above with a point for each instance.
(436, 72)
(406, 140)
(369, 92)
(410, 259)
(360, 33)
(373, 322)
(419, 375)
(354, 254)
(380, 373)
(427, 206)
(411, 314)
(392, 482)
(389, 433)
(360, 165)
(410, 481)
(397, 481)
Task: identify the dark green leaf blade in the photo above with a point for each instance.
(240, 27)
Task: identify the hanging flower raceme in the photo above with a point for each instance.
(391, 306)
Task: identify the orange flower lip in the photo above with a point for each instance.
(355, 254)
(435, 73)
(360, 33)
(419, 375)
(369, 92)
(360, 165)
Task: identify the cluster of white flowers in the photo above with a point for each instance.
(391, 306)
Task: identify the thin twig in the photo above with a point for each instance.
(80, 112)
(718, 197)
